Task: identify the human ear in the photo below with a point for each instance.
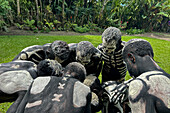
(131, 57)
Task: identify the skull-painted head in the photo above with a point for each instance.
(84, 51)
(60, 50)
(110, 39)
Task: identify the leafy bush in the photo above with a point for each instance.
(2, 23)
(4, 7)
(134, 31)
(81, 29)
(56, 23)
(93, 27)
(68, 26)
(49, 24)
(45, 30)
(35, 30)
(30, 23)
(40, 24)
(19, 26)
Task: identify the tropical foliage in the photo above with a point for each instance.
(151, 15)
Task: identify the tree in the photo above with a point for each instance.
(63, 16)
(36, 2)
(18, 8)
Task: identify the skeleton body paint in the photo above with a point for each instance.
(114, 68)
(111, 54)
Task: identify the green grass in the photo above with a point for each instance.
(10, 46)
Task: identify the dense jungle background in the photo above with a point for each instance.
(132, 16)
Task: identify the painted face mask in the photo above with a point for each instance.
(83, 59)
(61, 50)
(110, 39)
(84, 52)
(108, 47)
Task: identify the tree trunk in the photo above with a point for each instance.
(85, 3)
(40, 9)
(101, 11)
(37, 15)
(76, 12)
(63, 14)
(10, 16)
(18, 8)
(83, 17)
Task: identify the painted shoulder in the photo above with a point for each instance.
(135, 88)
(39, 84)
(14, 81)
(80, 93)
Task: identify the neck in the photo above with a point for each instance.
(148, 64)
(58, 60)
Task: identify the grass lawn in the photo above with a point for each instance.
(10, 46)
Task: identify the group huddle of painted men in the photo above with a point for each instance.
(63, 78)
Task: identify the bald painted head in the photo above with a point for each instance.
(111, 39)
(139, 47)
(76, 70)
(135, 54)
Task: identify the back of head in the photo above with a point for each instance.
(49, 68)
(138, 47)
(76, 70)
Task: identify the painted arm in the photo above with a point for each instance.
(32, 53)
(24, 101)
(137, 96)
(88, 105)
(116, 92)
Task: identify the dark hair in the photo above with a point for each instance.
(76, 70)
(139, 47)
(49, 68)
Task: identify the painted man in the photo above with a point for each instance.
(111, 53)
(66, 94)
(58, 50)
(89, 56)
(114, 68)
(16, 77)
(149, 92)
